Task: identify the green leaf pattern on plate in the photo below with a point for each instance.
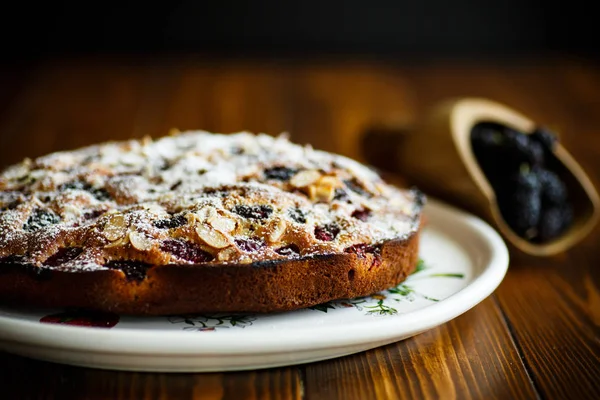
(403, 292)
(212, 322)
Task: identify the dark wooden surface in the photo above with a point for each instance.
(537, 336)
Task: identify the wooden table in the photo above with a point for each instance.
(536, 336)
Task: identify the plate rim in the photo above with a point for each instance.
(180, 343)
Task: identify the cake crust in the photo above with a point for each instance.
(270, 286)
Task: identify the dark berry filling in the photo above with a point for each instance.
(133, 270)
(93, 214)
(170, 223)
(340, 195)
(362, 249)
(297, 215)
(10, 206)
(254, 212)
(363, 215)
(75, 185)
(63, 256)
(289, 251)
(356, 187)
(12, 259)
(327, 232)
(186, 251)
(99, 193)
(175, 185)
(39, 219)
(249, 245)
(280, 173)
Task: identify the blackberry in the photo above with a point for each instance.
(175, 222)
(515, 139)
(536, 154)
(498, 148)
(327, 232)
(254, 212)
(554, 190)
(39, 219)
(487, 141)
(280, 173)
(526, 180)
(522, 213)
(521, 149)
(63, 255)
(486, 135)
(297, 215)
(554, 221)
(289, 250)
(520, 202)
(545, 137)
(185, 250)
(133, 270)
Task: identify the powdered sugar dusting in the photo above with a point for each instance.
(236, 198)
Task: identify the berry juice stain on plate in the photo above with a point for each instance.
(82, 318)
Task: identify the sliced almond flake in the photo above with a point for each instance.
(155, 209)
(312, 193)
(278, 228)
(324, 193)
(115, 227)
(227, 253)
(211, 236)
(222, 224)
(146, 140)
(140, 241)
(118, 243)
(206, 213)
(305, 178)
(332, 181)
(71, 211)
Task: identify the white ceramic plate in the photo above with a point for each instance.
(464, 261)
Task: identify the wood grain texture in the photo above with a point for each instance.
(471, 357)
(536, 336)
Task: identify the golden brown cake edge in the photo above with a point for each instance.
(269, 286)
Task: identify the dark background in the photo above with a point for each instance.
(397, 29)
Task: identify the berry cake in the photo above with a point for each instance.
(201, 222)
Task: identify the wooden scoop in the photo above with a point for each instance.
(436, 156)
